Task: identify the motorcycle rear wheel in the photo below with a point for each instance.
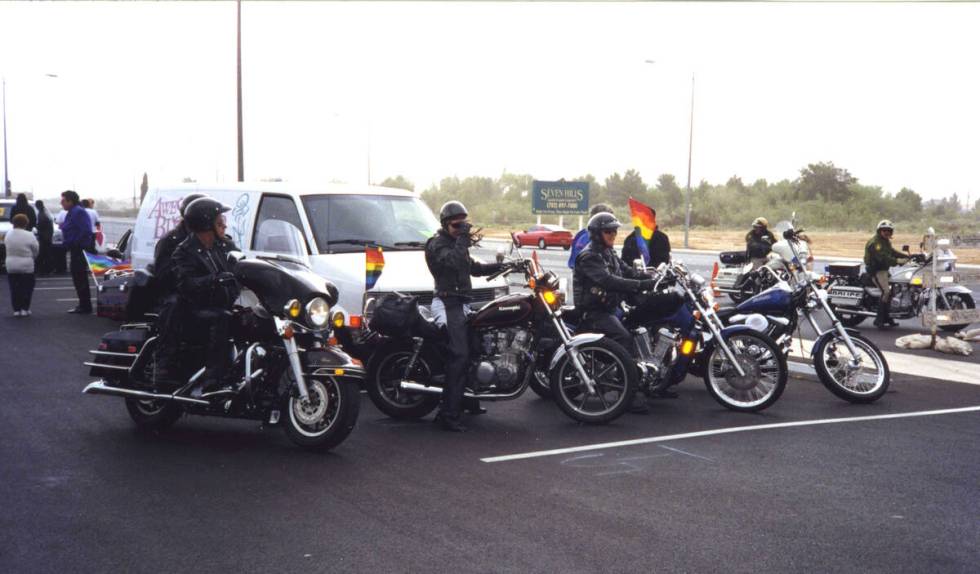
(765, 373)
(153, 415)
(386, 369)
(614, 372)
(327, 418)
(861, 386)
(957, 301)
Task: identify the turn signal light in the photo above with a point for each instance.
(338, 320)
(697, 315)
(531, 283)
(716, 307)
(332, 341)
(293, 308)
(549, 297)
(687, 347)
(288, 333)
(355, 321)
(916, 281)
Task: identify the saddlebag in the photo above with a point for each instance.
(850, 271)
(113, 295)
(733, 257)
(399, 316)
(116, 352)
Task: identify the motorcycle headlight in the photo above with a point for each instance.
(318, 312)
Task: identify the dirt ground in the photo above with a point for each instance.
(824, 243)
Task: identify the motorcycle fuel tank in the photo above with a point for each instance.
(503, 311)
(772, 299)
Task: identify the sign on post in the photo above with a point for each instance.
(559, 197)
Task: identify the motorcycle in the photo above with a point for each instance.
(736, 277)
(744, 370)
(518, 338)
(283, 368)
(856, 298)
(848, 364)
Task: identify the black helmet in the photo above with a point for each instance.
(451, 209)
(201, 213)
(187, 201)
(602, 222)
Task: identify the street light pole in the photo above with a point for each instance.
(690, 148)
(6, 177)
(241, 154)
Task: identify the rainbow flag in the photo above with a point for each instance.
(374, 264)
(645, 220)
(99, 264)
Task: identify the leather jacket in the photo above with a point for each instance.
(758, 245)
(451, 266)
(197, 270)
(602, 279)
(163, 263)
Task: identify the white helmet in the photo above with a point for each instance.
(885, 224)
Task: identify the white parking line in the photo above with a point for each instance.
(665, 438)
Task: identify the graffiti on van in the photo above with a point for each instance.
(239, 219)
(165, 215)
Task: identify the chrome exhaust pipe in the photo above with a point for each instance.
(845, 311)
(418, 388)
(101, 388)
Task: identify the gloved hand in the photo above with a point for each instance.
(465, 227)
(647, 284)
(224, 278)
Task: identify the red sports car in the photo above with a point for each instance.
(544, 236)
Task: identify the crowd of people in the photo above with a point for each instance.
(30, 249)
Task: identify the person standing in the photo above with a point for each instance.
(658, 246)
(93, 215)
(582, 237)
(22, 207)
(22, 249)
(77, 238)
(447, 255)
(879, 256)
(45, 236)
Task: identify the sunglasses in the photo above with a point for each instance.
(610, 231)
(457, 225)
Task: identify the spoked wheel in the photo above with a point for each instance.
(764, 367)
(861, 378)
(386, 370)
(957, 302)
(614, 374)
(327, 417)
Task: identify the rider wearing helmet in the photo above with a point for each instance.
(165, 287)
(601, 281)
(206, 286)
(447, 254)
(879, 255)
(759, 242)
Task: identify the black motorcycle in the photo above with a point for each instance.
(517, 338)
(283, 369)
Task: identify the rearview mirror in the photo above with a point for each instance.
(638, 265)
(905, 248)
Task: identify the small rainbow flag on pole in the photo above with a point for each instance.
(374, 264)
(99, 264)
(645, 219)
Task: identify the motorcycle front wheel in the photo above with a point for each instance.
(614, 374)
(863, 381)
(765, 371)
(327, 417)
(386, 369)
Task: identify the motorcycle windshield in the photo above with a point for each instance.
(275, 283)
(281, 240)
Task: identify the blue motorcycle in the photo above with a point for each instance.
(849, 365)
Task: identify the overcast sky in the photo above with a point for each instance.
(891, 92)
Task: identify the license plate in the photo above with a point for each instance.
(845, 294)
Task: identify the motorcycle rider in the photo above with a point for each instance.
(206, 286)
(601, 280)
(759, 242)
(448, 259)
(879, 255)
(165, 279)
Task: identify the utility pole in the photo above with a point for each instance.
(6, 176)
(690, 148)
(241, 155)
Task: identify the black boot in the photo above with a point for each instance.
(639, 405)
(449, 423)
(472, 406)
(882, 321)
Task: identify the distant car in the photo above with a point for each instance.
(546, 236)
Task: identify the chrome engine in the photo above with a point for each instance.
(504, 356)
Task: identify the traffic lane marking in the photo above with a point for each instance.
(713, 432)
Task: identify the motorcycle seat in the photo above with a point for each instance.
(726, 312)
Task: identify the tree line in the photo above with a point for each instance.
(824, 196)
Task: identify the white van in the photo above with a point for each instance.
(337, 222)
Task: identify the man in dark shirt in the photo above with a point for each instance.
(658, 246)
(447, 254)
(45, 237)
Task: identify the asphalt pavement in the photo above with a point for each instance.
(811, 484)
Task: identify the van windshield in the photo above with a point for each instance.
(346, 223)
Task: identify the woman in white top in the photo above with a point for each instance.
(22, 250)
